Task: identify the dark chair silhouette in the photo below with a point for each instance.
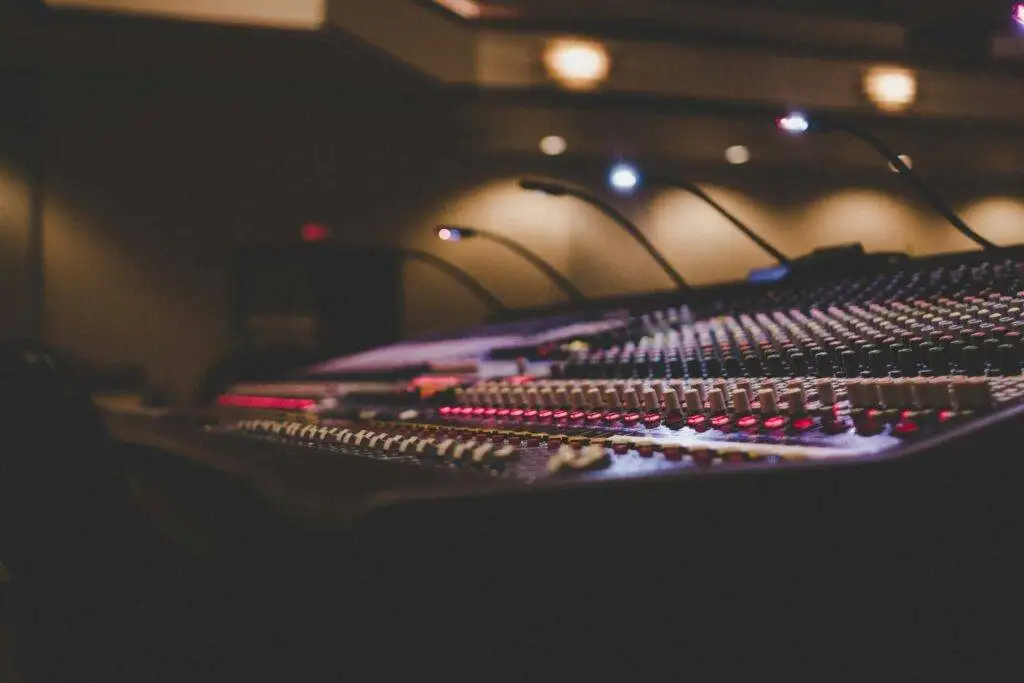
(96, 594)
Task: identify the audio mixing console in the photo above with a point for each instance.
(813, 476)
(766, 375)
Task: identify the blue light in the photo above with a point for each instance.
(623, 177)
(794, 122)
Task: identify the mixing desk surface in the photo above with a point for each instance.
(814, 476)
(829, 369)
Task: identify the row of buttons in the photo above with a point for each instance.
(482, 453)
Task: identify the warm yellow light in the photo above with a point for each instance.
(467, 9)
(577, 64)
(553, 145)
(890, 88)
(737, 154)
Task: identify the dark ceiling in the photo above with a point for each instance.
(899, 11)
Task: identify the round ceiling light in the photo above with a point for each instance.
(553, 145)
(890, 88)
(737, 154)
(577, 64)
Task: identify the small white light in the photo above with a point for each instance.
(794, 123)
(623, 177)
(737, 154)
(577, 64)
(553, 145)
(890, 88)
(905, 158)
(445, 234)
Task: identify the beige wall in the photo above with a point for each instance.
(150, 187)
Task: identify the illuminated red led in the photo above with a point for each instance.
(612, 417)
(445, 410)
(490, 412)
(631, 418)
(802, 424)
(595, 417)
(577, 415)
(545, 414)
(504, 412)
(697, 421)
(560, 414)
(946, 415)
(652, 419)
(516, 413)
(720, 421)
(747, 422)
(477, 412)
(266, 402)
(314, 232)
(529, 414)
(906, 427)
(775, 423)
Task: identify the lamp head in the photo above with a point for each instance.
(545, 186)
(794, 123)
(623, 178)
(452, 233)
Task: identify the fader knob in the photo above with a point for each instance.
(740, 402)
(823, 364)
(650, 400)
(769, 404)
(693, 402)
(1009, 365)
(972, 362)
(877, 364)
(826, 392)
(716, 401)
(631, 401)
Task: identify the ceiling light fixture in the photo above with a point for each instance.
(890, 88)
(907, 161)
(577, 64)
(553, 145)
(623, 177)
(794, 122)
(467, 9)
(737, 154)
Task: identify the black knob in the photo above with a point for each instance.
(850, 365)
(956, 351)
(658, 366)
(714, 367)
(907, 363)
(676, 367)
(753, 365)
(775, 366)
(877, 364)
(798, 362)
(733, 366)
(989, 350)
(693, 368)
(972, 362)
(937, 361)
(641, 365)
(824, 364)
(1009, 364)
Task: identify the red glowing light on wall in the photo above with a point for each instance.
(266, 402)
(314, 232)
